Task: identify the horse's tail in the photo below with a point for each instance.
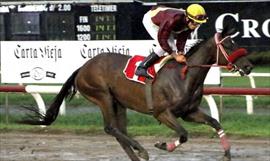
(39, 118)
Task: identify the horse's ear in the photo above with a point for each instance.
(228, 31)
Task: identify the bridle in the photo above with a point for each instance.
(220, 49)
(230, 58)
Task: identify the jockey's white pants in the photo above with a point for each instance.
(152, 29)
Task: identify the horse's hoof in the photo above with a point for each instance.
(227, 156)
(144, 154)
(162, 146)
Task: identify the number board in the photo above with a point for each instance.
(96, 22)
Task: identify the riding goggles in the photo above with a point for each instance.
(198, 18)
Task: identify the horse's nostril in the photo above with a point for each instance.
(249, 68)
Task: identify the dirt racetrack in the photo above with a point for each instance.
(58, 147)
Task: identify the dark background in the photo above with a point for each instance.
(55, 25)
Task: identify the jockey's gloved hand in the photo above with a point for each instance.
(179, 57)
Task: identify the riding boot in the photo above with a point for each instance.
(147, 62)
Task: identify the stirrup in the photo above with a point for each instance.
(142, 72)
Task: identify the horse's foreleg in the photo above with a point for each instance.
(170, 120)
(200, 117)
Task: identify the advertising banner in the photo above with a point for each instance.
(54, 61)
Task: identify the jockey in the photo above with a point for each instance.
(164, 25)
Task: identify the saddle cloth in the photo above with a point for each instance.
(133, 63)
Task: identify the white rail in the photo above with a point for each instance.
(249, 98)
(36, 90)
(250, 76)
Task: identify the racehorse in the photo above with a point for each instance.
(101, 81)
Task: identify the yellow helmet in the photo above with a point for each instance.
(196, 13)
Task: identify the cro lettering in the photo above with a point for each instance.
(250, 26)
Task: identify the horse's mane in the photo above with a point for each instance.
(195, 47)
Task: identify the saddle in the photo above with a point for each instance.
(133, 63)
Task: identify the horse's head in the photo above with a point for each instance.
(231, 55)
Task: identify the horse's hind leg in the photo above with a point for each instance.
(170, 120)
(200, 117)
(121, 121)
(105, 102)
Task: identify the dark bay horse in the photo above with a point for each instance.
(101, 81)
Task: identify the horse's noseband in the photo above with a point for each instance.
(237, 54)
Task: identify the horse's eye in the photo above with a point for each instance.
(227, 45)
